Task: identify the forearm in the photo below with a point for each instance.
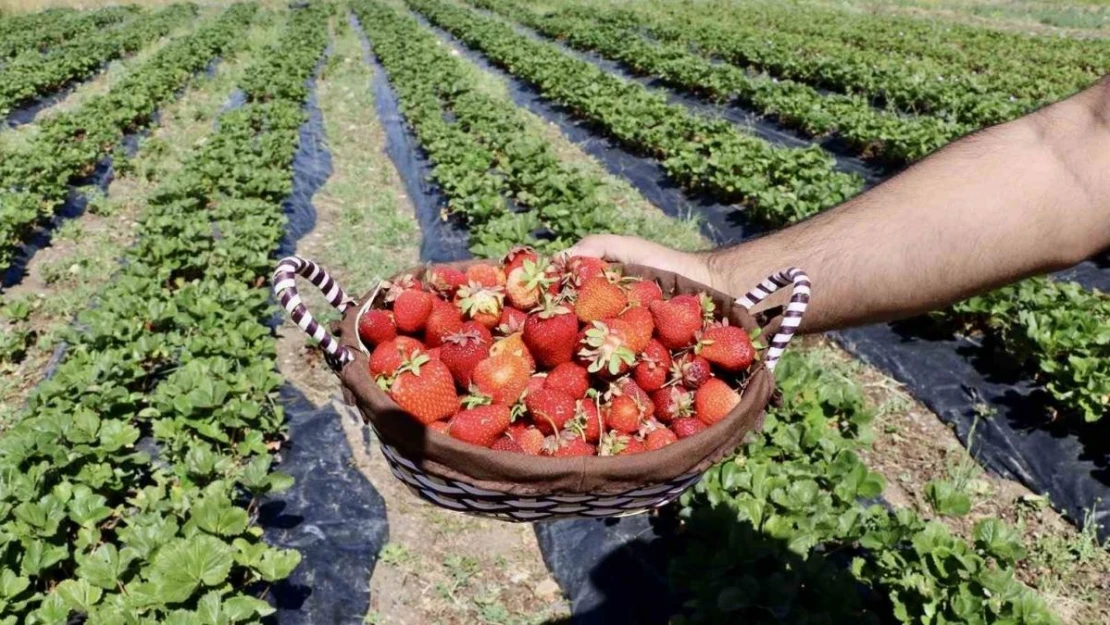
(1022, 198)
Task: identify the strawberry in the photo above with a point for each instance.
(617, 444)
(444, 280)
(654, 367)
(550, 409)
(516, 257)
(512, 321)
(572, 446)
(434, 353)
(644, 292)
(689, 302)
(535, 383)
(525, 283)
(485, 275)
(481, 303)
(502, 378)
(623, 414)
(579, 269)
(691, 370)
(482, 425)
(388, 356)
(587, 420)
(445, 319)
(528, 437)
(599, 299)
(438, 426)
(638, 326)
(549, 335)
(606, 350)
(569, 378)
(687, 427)
(411, 310)
(514, 344)
(675, 323)
(659, 438)
(425, 389)
(400, 284)
(632, 446)
(506, 443)
(714, 400)
(672, 403)
(626, 386)
(376, 327)
(728, 347)
(463, 350)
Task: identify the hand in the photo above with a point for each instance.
(634, 250)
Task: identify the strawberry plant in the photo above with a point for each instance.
(130, 486)
(41, 36)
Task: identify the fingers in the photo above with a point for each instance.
(615, 248)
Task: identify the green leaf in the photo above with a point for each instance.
(277, 564)
(946, 500)
(11, 584)
(105, 567)
(182, 566)
(999, 540)
(78, 594)
(241, 608)
(217, 515)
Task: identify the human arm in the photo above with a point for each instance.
(1018, 199)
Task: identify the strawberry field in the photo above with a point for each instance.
(173, 449)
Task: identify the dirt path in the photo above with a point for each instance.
(439, 567)
(62, 276)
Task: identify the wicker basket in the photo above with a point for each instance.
(517, 487)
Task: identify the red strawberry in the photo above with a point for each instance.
(411, 310)
(528, 437)
(644, 292)
(654, 367)
(434, 353)
(617, 444)
(502, 378)
(599, 299)
(425, 389)
(714, 400)
(606, 350)
(482, 304)
(687, 427)
(728, 347)
(549, 335)
(691, 303)
(512, 321)
(485, 275)
(638, 325)
(535, 383)
(444, 320)
(626, 386)
(672, 403)
(482, 425)
(550, 409)
(675, 323)
(581, 268)
(438, 426)
(514, 344)
(569, 378)
(444, 280)
(623, 414)
(516, 257)
(463, 350)
(659, 438)
(587, 420)
(632, 446)
(573, 446)
(388, 356)
(394, 288)
(506, 443)
(376, 327)
(691, 370)
(524, 284)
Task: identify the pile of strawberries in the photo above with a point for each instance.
(562, 358)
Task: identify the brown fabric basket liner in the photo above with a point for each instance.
(523, 475)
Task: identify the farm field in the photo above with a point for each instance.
(161, 424)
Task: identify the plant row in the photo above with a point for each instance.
(779, 533)
(703, 155)
(13, 25)
(32, 76)
(38, 39)
(129, 490)
(1058, 329)
(913, 85)
(885, 135)
(500, 177)
(35, 181)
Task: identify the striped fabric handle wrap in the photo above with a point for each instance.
(791, 318)
(285, 290)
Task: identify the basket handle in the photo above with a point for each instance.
(285, 290)
(791, 318)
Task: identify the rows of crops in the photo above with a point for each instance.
(175, 358)
(130, 484)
